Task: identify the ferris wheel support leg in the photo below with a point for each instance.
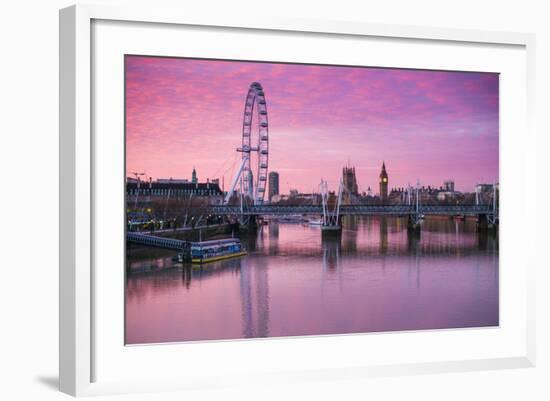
(235, 180)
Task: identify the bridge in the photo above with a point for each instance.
(353, 210)
(487, 214)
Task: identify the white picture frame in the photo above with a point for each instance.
(78, 375)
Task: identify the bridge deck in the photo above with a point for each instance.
(364, 210)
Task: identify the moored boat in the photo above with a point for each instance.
(214, 250)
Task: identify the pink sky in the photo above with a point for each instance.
(426, 125)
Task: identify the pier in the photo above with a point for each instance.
(157, 242)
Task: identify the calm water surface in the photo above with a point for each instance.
(294, 282)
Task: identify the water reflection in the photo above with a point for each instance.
(331, 252)
(254, 295)
(373, 276)
(383, 235)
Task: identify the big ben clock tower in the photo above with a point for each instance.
(383, 183)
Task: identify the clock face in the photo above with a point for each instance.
(384, 180)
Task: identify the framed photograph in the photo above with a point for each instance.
(279, 200)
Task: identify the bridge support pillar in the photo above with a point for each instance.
(250, 223)
(413, 225)
(482, 224)
(334, 229)
(331, 231)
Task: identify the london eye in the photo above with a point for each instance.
(252, 172)
(255, 144)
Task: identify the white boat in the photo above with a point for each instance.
(315, 222)
(291, 219)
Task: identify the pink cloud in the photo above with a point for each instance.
(427, 125)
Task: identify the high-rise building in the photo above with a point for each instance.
(250, 179)
(383, 183)
(273, 180)
(350, 180)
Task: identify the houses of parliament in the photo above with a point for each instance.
(351, 190)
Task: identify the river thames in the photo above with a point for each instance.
(293, 282)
